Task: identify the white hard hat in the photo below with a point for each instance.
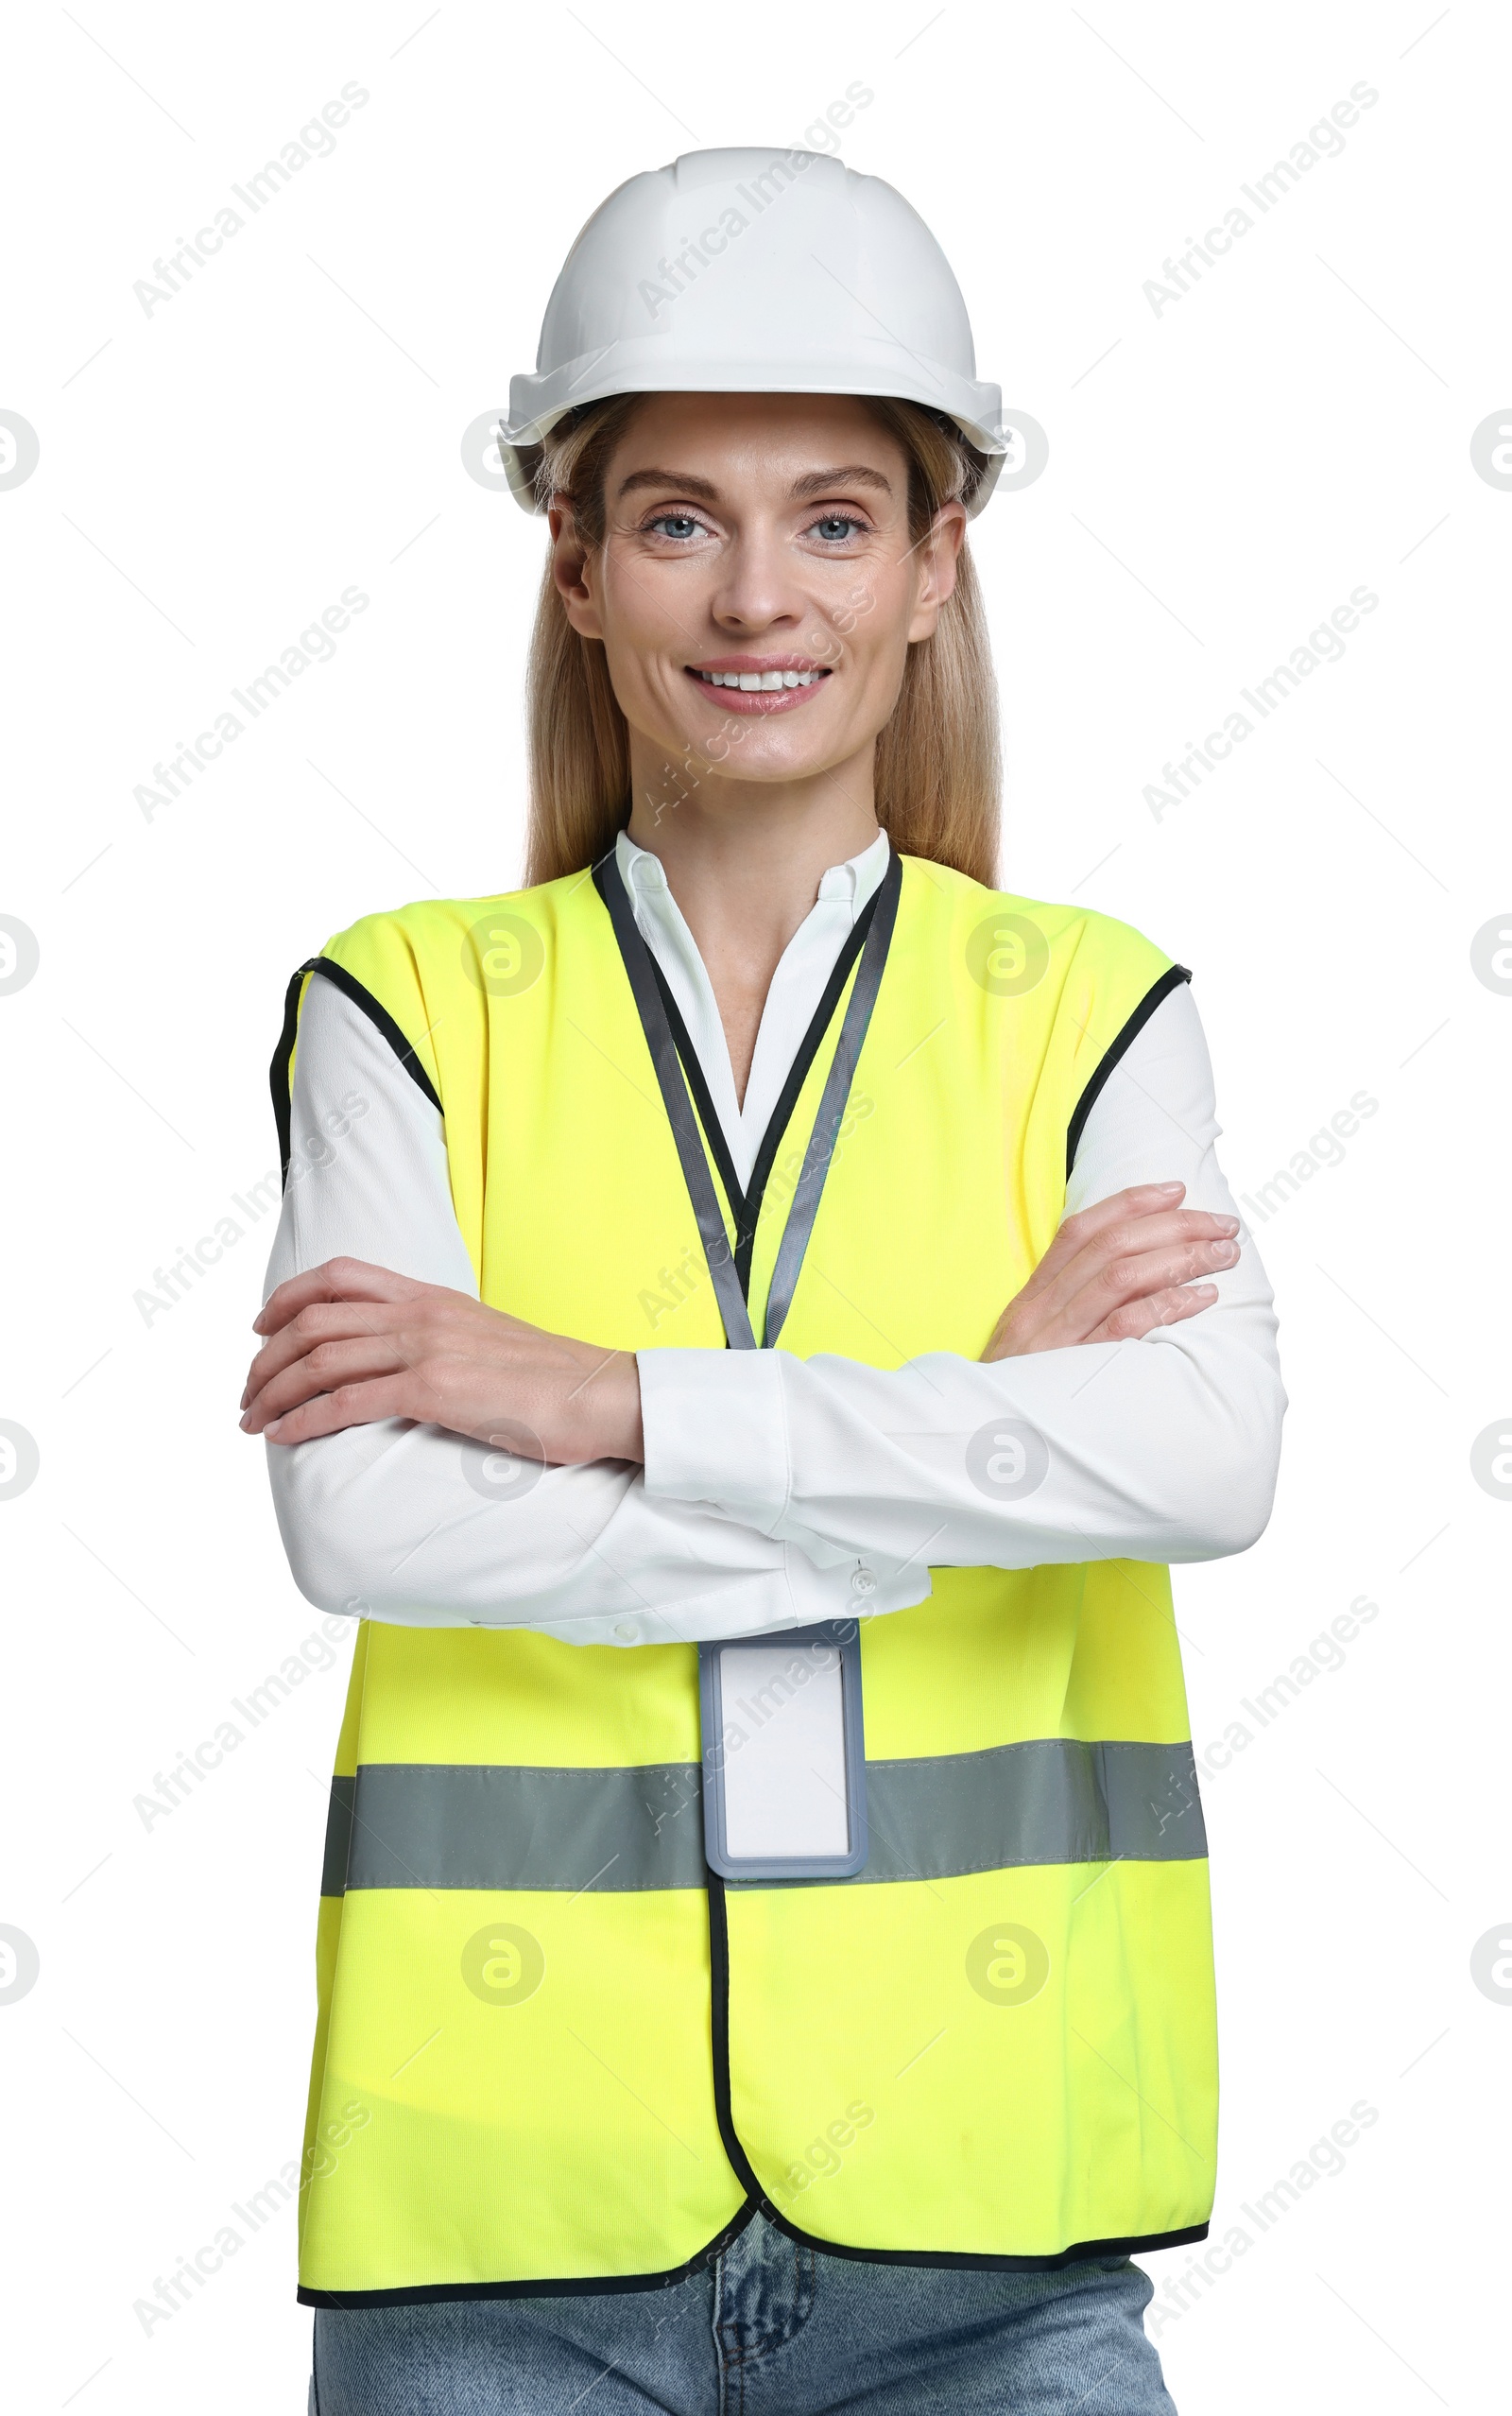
(754, 272)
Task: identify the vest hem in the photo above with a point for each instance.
(969, 2261)
(420, 2294)
(590, 2285)
(962, 2259)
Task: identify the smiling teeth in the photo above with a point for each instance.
(753, 680)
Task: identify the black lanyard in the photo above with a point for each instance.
(678, 1070)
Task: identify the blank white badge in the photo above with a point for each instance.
(784, 1765)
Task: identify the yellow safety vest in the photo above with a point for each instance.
(552, 2048)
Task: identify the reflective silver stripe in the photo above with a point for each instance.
(429, 1824)
(1054, 1800)
(426, 1824)
(338, 1836)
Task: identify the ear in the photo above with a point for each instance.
(572, 569)
(936, 556)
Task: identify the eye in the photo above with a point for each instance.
(835, 527)
(677, 525)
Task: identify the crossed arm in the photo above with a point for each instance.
(716, 1492)
(348, 1343)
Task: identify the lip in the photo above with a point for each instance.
(758, 663)
(758, 703)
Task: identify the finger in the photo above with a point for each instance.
(350, 1405)
(324, 1368)
(321, 1322)
(1087, 1226)
(1147, 1228)
(1141, 1274)
(1125, 1258)
(1136, 1200)
(1137, 1318)
(338, 1279)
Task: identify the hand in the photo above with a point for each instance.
(1116, 1270)
(350, 1343)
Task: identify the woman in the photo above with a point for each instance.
(760, 1227)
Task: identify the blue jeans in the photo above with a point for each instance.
(773, 2329)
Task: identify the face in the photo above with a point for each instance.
(757, 589)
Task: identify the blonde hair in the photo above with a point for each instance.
(936, 765)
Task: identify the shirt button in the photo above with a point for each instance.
(627, 1630)
(863, 1582)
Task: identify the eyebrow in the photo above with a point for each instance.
(815, 482)
(855, 473)
(685, 486)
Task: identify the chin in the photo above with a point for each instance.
(769, 746)
(771, 761)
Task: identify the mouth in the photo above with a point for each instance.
(750, 683)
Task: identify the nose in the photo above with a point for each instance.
(757, 589)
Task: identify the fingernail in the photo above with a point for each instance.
(245, 1425)
(1226, 1249)
(1227, 1224)
(273, 1426)
(1205, 1292)
(1170, 1186)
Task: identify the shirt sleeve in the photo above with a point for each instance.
(406, 1522)
(1164, 1448)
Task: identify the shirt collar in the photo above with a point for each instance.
(849, 884)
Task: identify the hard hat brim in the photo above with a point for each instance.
(538, 402)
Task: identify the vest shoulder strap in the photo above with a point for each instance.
(427, 972)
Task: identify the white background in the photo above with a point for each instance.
(1221, 477)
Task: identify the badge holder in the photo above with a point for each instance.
(784, 1770)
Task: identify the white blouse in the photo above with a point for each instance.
(776, 1491)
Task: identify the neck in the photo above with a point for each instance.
(744, 860)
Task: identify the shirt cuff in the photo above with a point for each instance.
(716, 1432)
(717, 1435)
(798, 1595)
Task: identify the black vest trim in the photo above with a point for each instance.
(678, 1073)
(599, 2285)
(377, 1015)
(1170, 979)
